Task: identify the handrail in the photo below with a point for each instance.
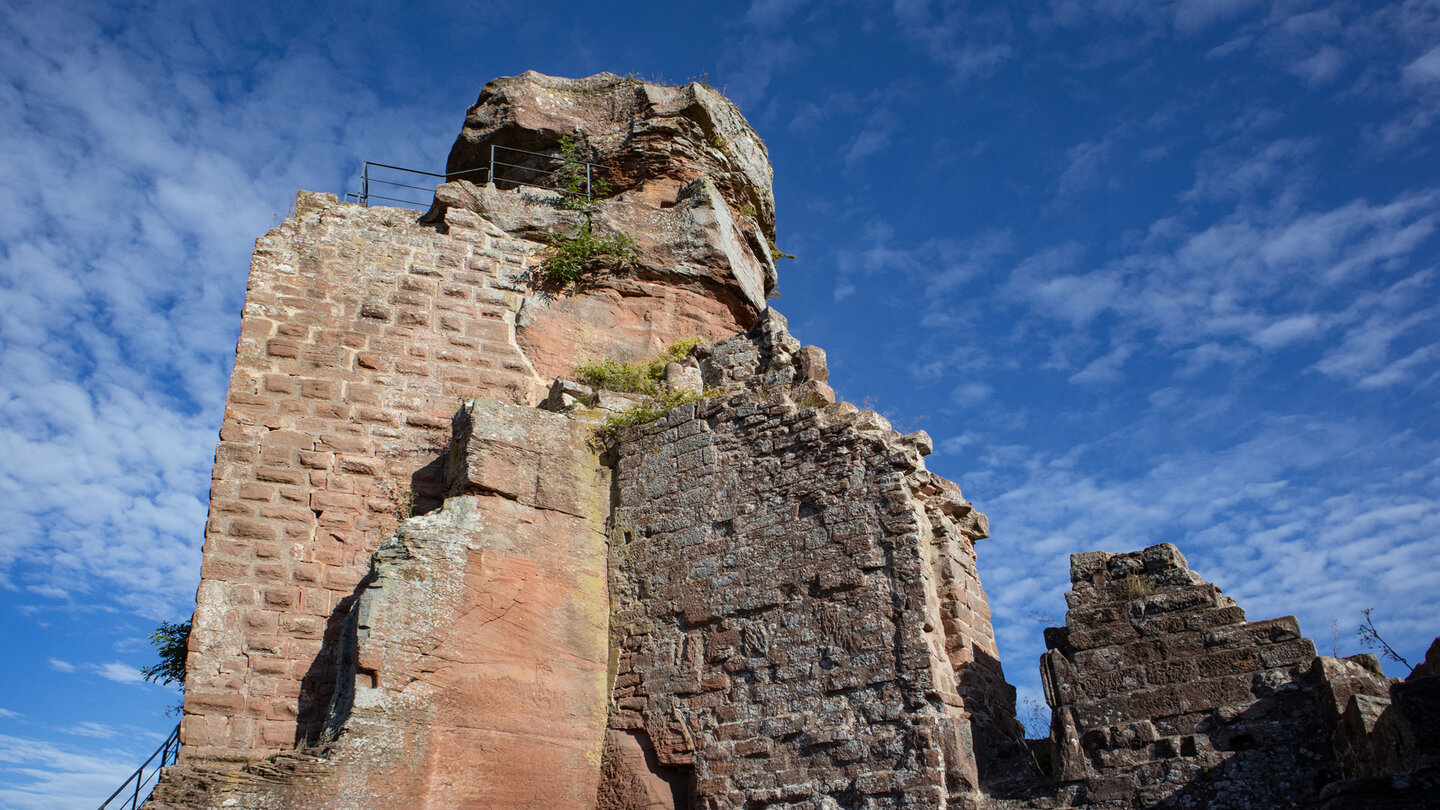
(364, 196)
(168, 752)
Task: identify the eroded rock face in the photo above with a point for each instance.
(688, 178)
(653, 139)
(480, 639)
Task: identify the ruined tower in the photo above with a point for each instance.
(440, 571)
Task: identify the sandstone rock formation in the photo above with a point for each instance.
(1159, 686)
(440, 571)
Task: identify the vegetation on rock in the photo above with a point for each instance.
(635, 378)
(776, 254)
(568, 257)
(646, 379)
(660, 405)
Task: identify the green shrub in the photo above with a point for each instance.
(568, 257)
(636, 378)
(613, 375)
(172, 643)
(657, 408)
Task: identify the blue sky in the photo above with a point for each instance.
(1146, 271)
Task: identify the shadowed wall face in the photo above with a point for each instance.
(778, 591)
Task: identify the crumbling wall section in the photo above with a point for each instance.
(792, 610)
(1162, 693)
(1386, 733)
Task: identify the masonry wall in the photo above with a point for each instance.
(362, 333)
(1162, 693)
(783, 626)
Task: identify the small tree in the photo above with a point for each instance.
(172, 642)
(581, 186)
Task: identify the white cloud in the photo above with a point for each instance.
(955, 445)
(87, 728)
(1322, 66)
(45, 776)
(1240, 169)
(1268, 278)
(1425, 69)
(865, 144)
(118, 672)
(1086, 167)
(61, 666)
(121, 300)
(966, 43)
(1104, 369)
(1293, 329)
(972, 393)
(6, 714)
(1192, 15)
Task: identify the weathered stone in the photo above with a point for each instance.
(1168, 714)
(652, 138)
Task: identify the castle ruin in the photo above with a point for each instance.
(440, 571)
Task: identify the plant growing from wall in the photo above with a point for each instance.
(776, 254)
(172, 644)
(656, 408)
(641, 378)
(1370, 637)
(635, 378)
(568, 257)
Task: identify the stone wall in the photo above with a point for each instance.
(795, 610)
(1162, 693)
(793, 613)
(361, 332)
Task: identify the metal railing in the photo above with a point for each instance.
(168, 752)
(559, 162)
(365, 194)
(533, 177)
